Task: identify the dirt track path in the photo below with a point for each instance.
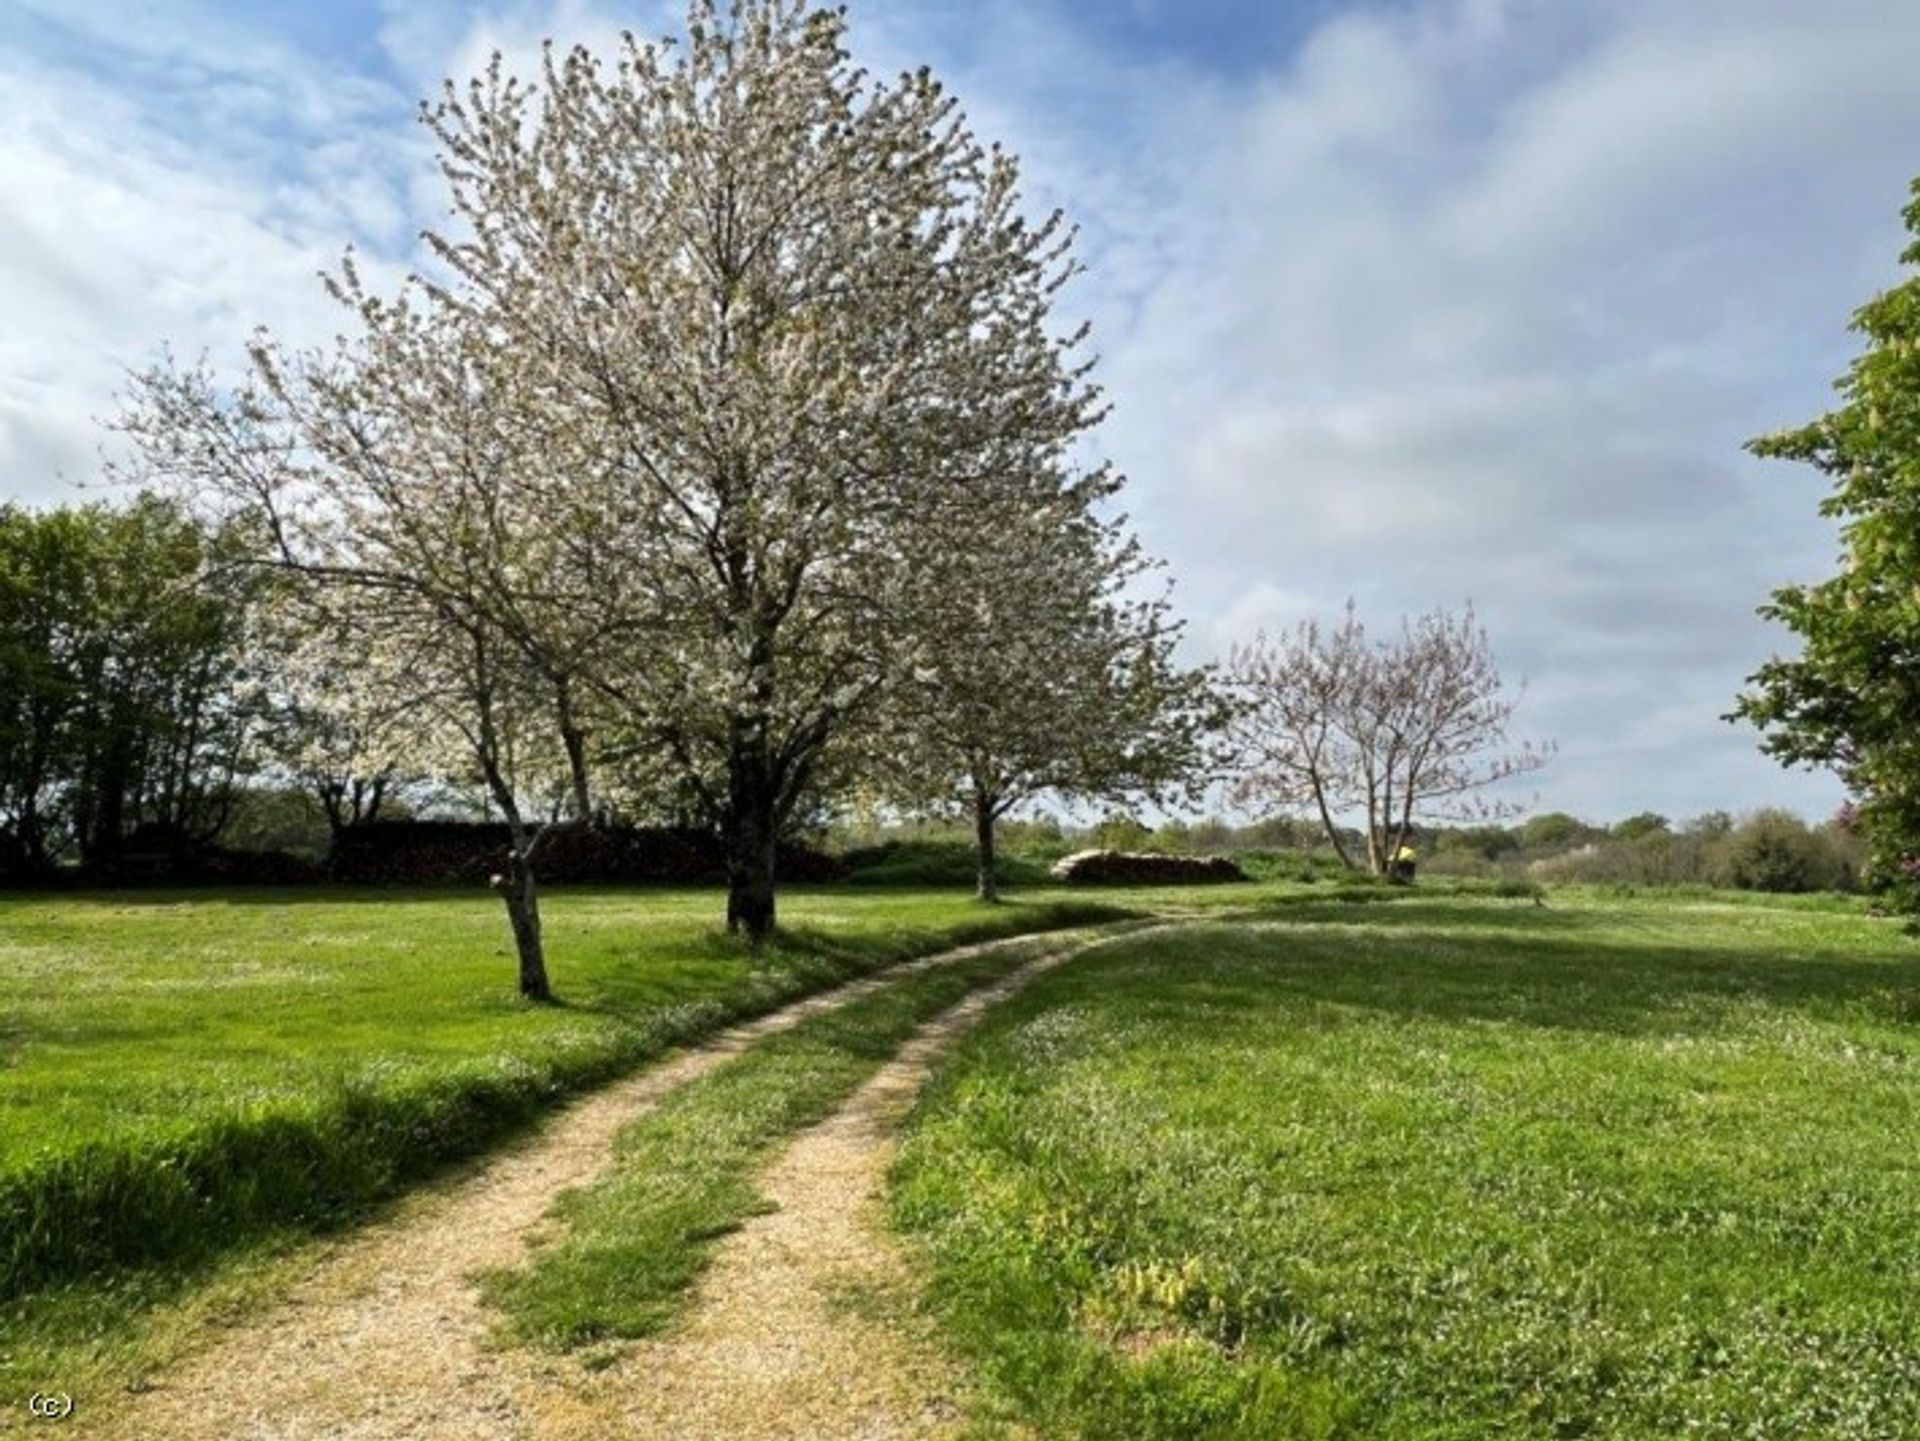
(386, 1339)
(772, 1347)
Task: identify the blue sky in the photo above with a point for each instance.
(1412, 302)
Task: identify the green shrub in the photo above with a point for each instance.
(1654, 858)
(1768, 851)
(1460, 863)
(1775, 851)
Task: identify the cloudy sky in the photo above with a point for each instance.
(1413, 302)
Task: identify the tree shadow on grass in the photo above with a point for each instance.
(327, 894)
(804, 957)
(1546, 970)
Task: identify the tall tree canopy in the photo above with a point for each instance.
(1851, 699)
(713, 324)
(124, 699)
(784, 308)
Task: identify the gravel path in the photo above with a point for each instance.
(386, 1340)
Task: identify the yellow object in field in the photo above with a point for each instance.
(1406, 855)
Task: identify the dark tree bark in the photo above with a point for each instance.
(574, 739)
(350, 803)
(988, 886)
(752, 835)
(112, 777)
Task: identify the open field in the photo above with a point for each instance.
(1454, 1167)
(1327, 1160)
(186, 1074)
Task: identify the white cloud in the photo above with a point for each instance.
(173, 185)
(1467, 303)
(1464, 298)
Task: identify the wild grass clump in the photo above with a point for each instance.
(1513, 888)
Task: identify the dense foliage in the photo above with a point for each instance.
(124, 706)
(1770, 850)
(1036, 670)
(413, 853)
(1850, 699)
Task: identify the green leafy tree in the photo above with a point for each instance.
(1119, 831)
(124, 699)
(1774, 850)
(1849, 700)
(1708, 826)
(1554, 830)
(1647, 823)
(1488, 842)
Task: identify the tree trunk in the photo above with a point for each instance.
(1332, 830)
(989, 883)
(518, 889)
(751, 835)
(33, 836)
(112, 777)
(1377, 856)
(575, 741)
(332, 798)
(750, 860)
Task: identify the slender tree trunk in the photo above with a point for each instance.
(575, 741)
(983, 828)
(33, 835)
(520, 892)
(751, 840)
(109, 818)
(1376, 837)
(1327, 825)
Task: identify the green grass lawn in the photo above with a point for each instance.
(135, 1014)
(187, 1077)
(1452, 1167)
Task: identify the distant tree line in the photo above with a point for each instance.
(1764, 850)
